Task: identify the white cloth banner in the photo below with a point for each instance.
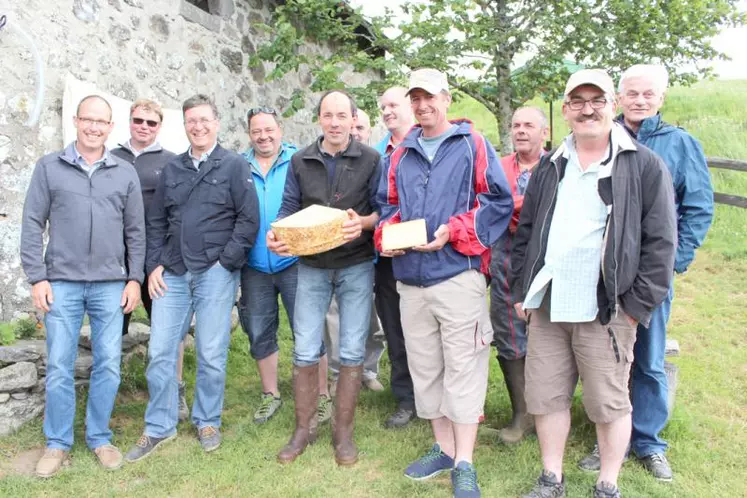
(171, 137)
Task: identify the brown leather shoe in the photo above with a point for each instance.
(109, 456)
(51, 462)
(305, 393)
(348, 388)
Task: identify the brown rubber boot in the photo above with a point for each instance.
(522, 423)
(305, 393)
(348, 387)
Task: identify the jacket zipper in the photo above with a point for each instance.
(425, 196)
(542, 231)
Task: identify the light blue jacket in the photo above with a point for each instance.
(693, 192)
(381, 146)
(270, 194)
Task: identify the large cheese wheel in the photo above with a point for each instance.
(311, 230)
(404, 235)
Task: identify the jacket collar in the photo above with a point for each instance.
(284, 155)
(215, 156)
(465, 127)
(649, 127)
(619, 138)
(154, 147)
(70, 156)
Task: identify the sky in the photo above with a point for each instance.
(730, 41)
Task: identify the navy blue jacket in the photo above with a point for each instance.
(202, 216)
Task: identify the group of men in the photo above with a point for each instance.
(583, 242)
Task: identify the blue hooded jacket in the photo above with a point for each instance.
(693, 192)
(270, 193)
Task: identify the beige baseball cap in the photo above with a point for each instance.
(596, 77)
(432, 81)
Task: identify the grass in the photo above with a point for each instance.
(707, 433)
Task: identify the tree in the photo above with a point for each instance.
(476, 42)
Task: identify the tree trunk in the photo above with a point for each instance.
(504, 112)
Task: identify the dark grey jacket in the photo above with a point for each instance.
(200, 217)
(148, 166)
(92, 220)
(640, 237)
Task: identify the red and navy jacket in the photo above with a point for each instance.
(464, 187)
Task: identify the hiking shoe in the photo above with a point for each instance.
(267, 408)
(324, 409)
(429, 465)
(591, 462)
(658, 465)
(145, 446)
(548, 486)
(183, 406)
(51, 462)
(606, 490)
(464, 481)
(209, 437)
(373, 384)
(109, 456)
(400, 418)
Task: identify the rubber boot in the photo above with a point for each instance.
(305, 393)
(522, 423)
(348, 388)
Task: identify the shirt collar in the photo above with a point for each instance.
(80, 160)
(155, 146)
(325, 153)
(199, 160)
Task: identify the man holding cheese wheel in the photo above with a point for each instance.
(448, 174)
(339, 172)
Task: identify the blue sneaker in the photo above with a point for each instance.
(464, 481)
(429, 465)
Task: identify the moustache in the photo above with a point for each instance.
(594, 115)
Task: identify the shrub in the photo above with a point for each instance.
(7, 335)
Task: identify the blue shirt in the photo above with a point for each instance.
(430, 145)
(89, 168)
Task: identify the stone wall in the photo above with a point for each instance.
(166, 50)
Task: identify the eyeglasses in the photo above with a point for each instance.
(260, 110)
(151, 123)
(578, 104)
(191, 123)
(87, 122)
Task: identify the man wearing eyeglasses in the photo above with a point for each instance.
(93, 265)
(266, 275)
(148, 158)
(202, 221)
(593, 255)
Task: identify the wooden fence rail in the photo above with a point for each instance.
(731, 200)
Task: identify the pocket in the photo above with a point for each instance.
(217, 190)
(174, 193)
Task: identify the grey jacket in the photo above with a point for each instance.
(91, 221)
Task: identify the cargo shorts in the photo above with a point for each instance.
(559, 353)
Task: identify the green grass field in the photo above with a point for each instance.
(707, 433)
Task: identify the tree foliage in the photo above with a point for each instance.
(478, 43)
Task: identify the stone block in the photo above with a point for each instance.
(15, 354)
(159, 26)
(196, 15)
(672, 348)
(86, 10)
(119, 33)
(84, 339)
(138, 4)
(138, 333)
(232, 59)
(4, 397)
(18, 377)
(222, 8)
(20, 395)
(83, 364)
(16, 412)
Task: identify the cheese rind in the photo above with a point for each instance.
(404, 235)
(312, 230)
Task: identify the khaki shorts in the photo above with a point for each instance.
(558, 353)
(447, 336)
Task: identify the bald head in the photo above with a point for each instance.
(362, 128)
(396, 111)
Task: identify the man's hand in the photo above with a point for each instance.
(632, 321)
(441, 239)
(156, 286)
(392, 253)
(352, 228)
(277, 246)
(520, 311)
(130, 296)
(41, 293)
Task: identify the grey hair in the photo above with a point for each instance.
(198, 100)
(655, 72)
(542, 115)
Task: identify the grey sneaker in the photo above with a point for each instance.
(183, 406)
(324, 409)
(209, 437)
(592, 461)
(400, 418)
(658, 465)
(145, 446)
(267, 408)
(548, 486)
(606, 490)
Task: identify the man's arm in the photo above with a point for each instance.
(387, 197)
(33, 224)
(246, 203)
(658, 243)
(157, 225)
(134, 231)
(522, 236)
(291, 194)
(473, 232)
(695, 193)
(369, 222)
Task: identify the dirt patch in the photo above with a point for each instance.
(23, 463)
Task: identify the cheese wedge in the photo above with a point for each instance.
(404, 235)
(312, 230)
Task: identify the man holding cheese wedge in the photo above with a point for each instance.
(337, 172)
(444, 178)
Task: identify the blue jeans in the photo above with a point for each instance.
(353, 287)
(649, 382)
(210, 295)
(101, 300)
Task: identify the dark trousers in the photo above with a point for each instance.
(147, 304)
(387, 307)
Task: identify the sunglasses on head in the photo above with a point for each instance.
(150, 122)
(260, 110)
